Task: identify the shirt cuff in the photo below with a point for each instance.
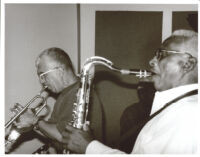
(96, 147)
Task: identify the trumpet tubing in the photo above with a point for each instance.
(13, 133)
(20, 109)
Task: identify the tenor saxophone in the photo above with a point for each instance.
(80, 107)
(80, 110)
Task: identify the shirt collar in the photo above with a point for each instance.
(161, 98)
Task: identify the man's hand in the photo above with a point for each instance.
(76, 140)
(26, 121)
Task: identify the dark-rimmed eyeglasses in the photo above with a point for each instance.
(161, 53)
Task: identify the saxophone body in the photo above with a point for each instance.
(80, 107)
(80, 111)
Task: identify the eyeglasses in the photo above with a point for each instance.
(42, 75)
(161, 53)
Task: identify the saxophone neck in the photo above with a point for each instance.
(137, 72)
(90, 62)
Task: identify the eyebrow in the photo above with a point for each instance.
(49, 71)
(172, 51)
(39, 73)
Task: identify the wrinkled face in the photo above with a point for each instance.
(50, 74)
(167, 68)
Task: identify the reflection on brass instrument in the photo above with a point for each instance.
(102, 61)
(19, 110)
(80, 108)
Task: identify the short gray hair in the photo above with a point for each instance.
(188, 39)
(59, 55)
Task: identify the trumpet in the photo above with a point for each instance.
(19, 110)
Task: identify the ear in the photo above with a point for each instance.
(190, 64)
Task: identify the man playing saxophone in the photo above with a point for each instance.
(55, 70)
(173, 124)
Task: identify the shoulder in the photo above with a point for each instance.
(188, 104)
(181, 113)
(67, 96)
(72, 89)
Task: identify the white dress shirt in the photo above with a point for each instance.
(173, 131)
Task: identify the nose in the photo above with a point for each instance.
(153, 62)
(41, 80)
(44, 85)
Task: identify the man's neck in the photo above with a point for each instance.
(71, 81)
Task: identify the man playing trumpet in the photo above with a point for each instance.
(55, 70)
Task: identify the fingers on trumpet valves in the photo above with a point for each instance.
(17, 108)
(14, 111)
(17, 124)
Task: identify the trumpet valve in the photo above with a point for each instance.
(16, 109)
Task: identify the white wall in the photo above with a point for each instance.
(29, 29)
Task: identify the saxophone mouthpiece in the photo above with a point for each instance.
(137, 72)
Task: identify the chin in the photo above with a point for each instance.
(52, 90)
(157, 86)
(162, 87)
(57, 91)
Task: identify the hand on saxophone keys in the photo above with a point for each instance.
(77, 140)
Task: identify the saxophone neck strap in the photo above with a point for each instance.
(190, 93)
(137, 128)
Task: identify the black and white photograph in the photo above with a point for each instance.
(99, 78)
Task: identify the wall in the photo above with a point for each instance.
(87, 18)
(29, 29)
(125, 38)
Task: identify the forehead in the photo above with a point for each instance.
(46, 63)
(173, 45)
